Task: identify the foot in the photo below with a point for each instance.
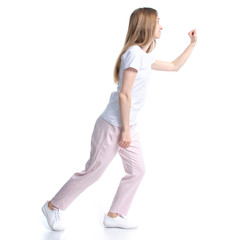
(118, 222)
(53, 217)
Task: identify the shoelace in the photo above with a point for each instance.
(57, 214)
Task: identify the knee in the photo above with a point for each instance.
(139, 172)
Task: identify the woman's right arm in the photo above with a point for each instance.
(129, 75)
(180, 61)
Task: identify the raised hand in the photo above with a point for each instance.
(193, 36)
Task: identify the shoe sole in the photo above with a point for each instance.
(127, 228)
(112, 225)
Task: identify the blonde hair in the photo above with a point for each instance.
(140, 32)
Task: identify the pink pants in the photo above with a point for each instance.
(104, 146)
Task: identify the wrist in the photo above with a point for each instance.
(193, 44)
(125, 129)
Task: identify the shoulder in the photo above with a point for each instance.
(133, 51)
(135, 48)
(132, 58)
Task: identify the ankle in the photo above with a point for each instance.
(112, 215)
(51, 206)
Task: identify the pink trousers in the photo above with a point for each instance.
(104, 146)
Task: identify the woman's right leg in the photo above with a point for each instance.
(104, 146)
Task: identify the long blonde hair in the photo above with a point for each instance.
(140, 32)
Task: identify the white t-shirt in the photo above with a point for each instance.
(135, 57)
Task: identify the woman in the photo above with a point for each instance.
(115, 128)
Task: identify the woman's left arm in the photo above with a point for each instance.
(178, 62)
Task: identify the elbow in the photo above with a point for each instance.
(175, 67)
(124, 96)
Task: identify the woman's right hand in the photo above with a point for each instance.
(125, 139)
(193, 36)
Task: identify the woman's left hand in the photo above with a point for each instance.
(193, 36)
(125, 139)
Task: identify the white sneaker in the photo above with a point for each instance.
(118, 222)
(53, 217)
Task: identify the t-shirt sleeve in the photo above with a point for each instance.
(131, 59)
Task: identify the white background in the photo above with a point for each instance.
(56, 65)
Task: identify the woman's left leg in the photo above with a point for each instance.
(133, 164)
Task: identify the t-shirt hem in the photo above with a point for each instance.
(115, 124)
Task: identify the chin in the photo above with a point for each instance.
(157, 37)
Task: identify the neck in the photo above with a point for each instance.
(145, 47)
